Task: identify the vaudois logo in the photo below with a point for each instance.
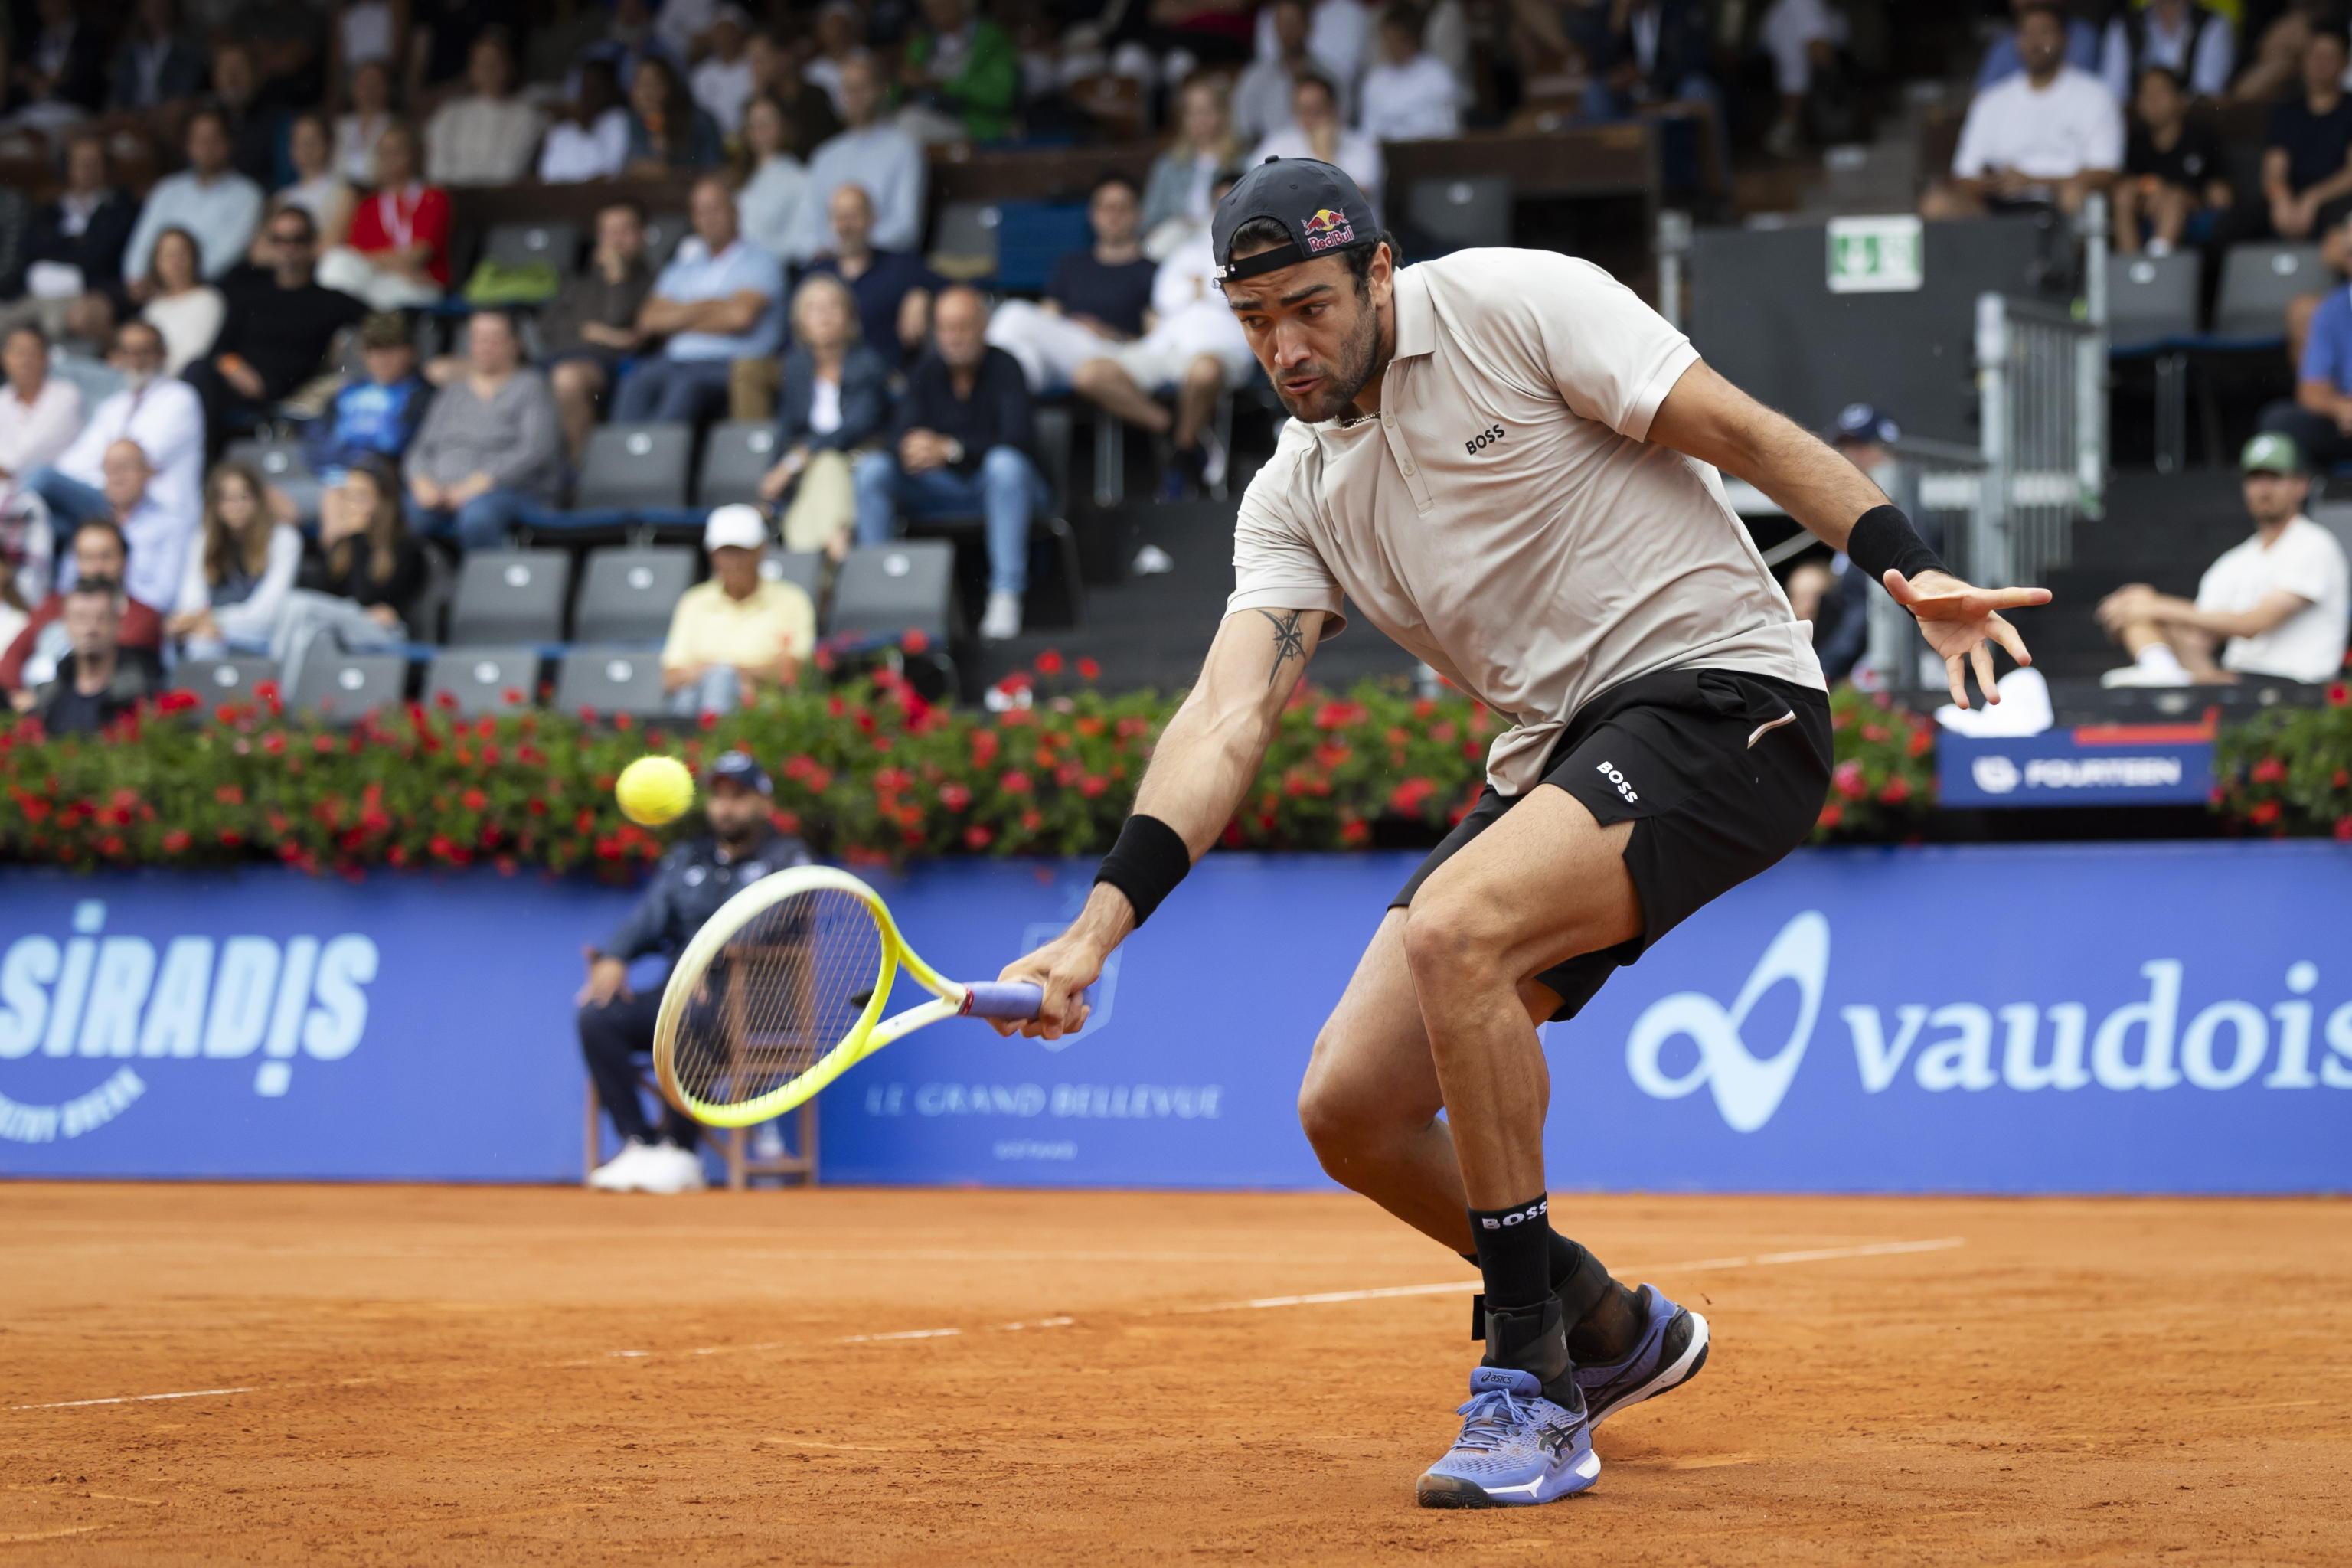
(121, 1005)
(2152, 1042)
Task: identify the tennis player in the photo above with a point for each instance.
(1510, 464)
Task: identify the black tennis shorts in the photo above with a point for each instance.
(1722, 774)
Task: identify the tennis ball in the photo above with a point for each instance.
(655, 790)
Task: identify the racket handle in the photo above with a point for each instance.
(1011, 1000)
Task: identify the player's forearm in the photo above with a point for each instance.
(1202, 764)
(1707, 417)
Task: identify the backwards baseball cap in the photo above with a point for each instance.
(2271, 452)
(1318, 204)
(738, 768)
(1864, 422)
(735, 525)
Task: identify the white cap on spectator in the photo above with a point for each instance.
(737, 525)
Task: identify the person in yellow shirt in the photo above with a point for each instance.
(736, 633)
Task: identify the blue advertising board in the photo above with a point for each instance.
(2126, 1018)
(2091, 764)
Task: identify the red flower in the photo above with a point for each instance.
(2338, 694)
(1896, 790)
(985, 744)
(785, 821)
(708, 721)
(1049, 662)
(2270, 770)
(1423, 707)
(511, 696)
(2263, 814)
(322, 744)
(955, 796)
(2344, 829)
(274, 744)
(474, 800)
(836, 706)
(177, 702)
(624, 722)
(1408, 798)
(230, 837)
(1092, 786)
(1337, 713)
(2342, 779)
(1847, 780)
(445, 700)
(1354, 832)
(1014, 783)
(1923, 739)
(915, 641)
(976, 837)
(395, 855)
(265, 690)
(177, 841)
(229, 794)
(1088, 669)
(1832, 815)
(1031, 820)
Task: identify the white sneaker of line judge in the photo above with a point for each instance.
(649, 1168)
(1001, 619)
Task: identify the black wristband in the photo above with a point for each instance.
(1146, 864)
(1883, 538)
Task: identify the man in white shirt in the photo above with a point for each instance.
(872, 154)
(2196, 44)
(40, 414)
(487, 136)
(722, 83)
(1315, 132)
(2278, 603)
(1261, 102)
(164, 417)
(1338, 38)
(157, 532)
(1509, 464)
(212, 201)
(2050, 135)
(1410, 96)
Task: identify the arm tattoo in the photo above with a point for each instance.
(1289, 642)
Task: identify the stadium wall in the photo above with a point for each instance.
(2173, 1018)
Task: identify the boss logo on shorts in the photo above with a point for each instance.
(1618, 779)
(1536, 1210)
(1483, 440)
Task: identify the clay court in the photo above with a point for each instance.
(312, 1374)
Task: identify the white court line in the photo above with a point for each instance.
(136, 1398)
(1463, 1286)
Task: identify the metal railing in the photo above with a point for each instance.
(2043, 401)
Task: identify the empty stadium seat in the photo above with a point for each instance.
(804, 567)
(283, 463)
(484, 680)
(963, 241)
(346, 687)
(886, 589)
(1032, 237)
(555, 242)
(626, 595)
(633, 471)
(663, 232)
(511, 596)
(1456, 213)
(2257, 282)
(610, 681)
(222, 679)
(2151, 299)
(735, 457)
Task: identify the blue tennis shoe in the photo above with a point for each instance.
(1517, 1447)
(1673, 1348)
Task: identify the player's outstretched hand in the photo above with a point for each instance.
(1960, 621)
(1064, 967)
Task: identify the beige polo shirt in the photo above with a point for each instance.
(1502, 518)
(709, 627)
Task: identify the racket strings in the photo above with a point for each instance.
(778, 997)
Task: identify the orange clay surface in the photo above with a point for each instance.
(396, 1375)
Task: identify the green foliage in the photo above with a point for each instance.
(2289, 771)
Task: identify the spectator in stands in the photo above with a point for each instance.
(164, 417)
(2200, 47)
(1338, 42)
(590, 329)
(668, 131)
(209, 199)
(98, 554)
(484, 136)
(616, 1023)
(719, 299)
(808, 109)
(2307, 159)
(961, 76)
(240, 573)
(362, 126)
(839, 36)
(2175, 186)
(14, 611)
(2278, 47)
(722, 82)
(1806, 40)
(62, 68)
(1098, 298)
(893, 288)
(771, 182)
(1410, 95)
(396, 255)
(2004, 59)
(377, 415)
(1176, 197)
(156, 527)
(357, 593)
(2049, 136)
(159, 61)
(738, 632)
(963, 442)
(366, 31)
(590, 140)
(1827, 594)
(835, 402)
(76, 246)
(1195, 350)
(1315, 132)
(288, 39)
(39, 413)
(872, 154)
(281, 322)
(179, 303)
(2276, 604)
(1261, 101)
(254, 125)
(317, 187)
(99, 680)
(1648, 52)
(491, 444)
(449, 28)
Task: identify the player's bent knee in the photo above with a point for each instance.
(1451, 941)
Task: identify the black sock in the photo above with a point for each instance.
(1515, 1253)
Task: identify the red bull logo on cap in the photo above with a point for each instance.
(1326, 229)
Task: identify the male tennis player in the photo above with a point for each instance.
(1510, 463)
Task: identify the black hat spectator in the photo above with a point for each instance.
(99, 681)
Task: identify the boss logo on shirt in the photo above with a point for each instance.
(1483, 440)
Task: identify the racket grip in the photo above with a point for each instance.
(1010, 1000)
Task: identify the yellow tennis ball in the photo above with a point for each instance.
(655, 790)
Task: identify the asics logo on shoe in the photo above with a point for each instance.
(1536, 1210)
(1556, 1440)
(1611, 772)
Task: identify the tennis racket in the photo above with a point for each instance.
(782, 992)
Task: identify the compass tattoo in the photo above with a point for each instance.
(1289, 642)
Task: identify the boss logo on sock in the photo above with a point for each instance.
(1535, 1210)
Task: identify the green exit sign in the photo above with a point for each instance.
(1875, 255)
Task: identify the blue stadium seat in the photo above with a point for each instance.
(1031, 236)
